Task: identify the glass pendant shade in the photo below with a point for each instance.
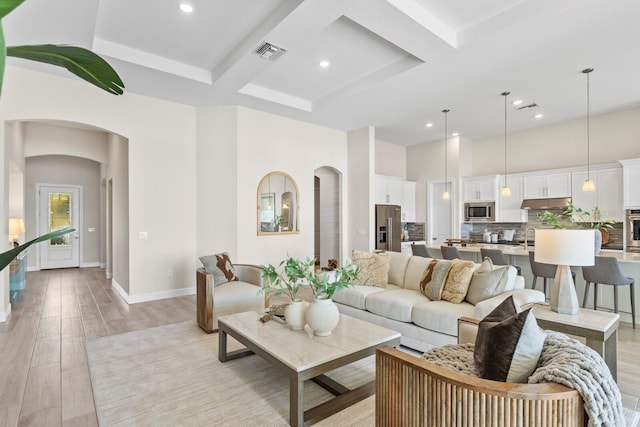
(446, 196)
(506, 191)
(588, 185)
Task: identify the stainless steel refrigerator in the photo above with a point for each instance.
(388, 228)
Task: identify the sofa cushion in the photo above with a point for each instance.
(395, 304)
(457, 284)
(397, 267)
(415, 271)
(508, 344)
(220, 267)
(355, 296)
(374, 267)
(434, 278)
(441, 316)
(487, 282)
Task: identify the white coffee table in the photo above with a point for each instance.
(303, 356)
(600, 328)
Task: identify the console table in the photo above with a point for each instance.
(600, 328)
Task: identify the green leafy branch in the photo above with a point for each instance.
(77, 60)
(10, 255)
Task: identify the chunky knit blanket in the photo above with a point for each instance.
(563, 360)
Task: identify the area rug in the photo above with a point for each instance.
(171, 375)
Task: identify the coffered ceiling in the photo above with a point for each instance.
(394, 64)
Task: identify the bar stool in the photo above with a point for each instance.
(606, 271)
(546, 271)
(498, 258)
(450, 252)
(420, 250)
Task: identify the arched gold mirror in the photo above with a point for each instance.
(278, 205)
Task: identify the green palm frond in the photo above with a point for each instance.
(8, 256)
(79, 61)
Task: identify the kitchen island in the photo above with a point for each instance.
(518, 255)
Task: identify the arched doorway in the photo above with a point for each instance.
(328, 215)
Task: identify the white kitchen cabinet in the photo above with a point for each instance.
(479, 189)
(409, 202)
(608, 196)
(547, 186)
(631, 178)
(388, 190)
(391, 190)
(509, 206)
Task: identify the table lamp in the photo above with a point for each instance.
(564, 248)
(16, 228)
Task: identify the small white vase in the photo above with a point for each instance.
(295, 314)
(322, 316)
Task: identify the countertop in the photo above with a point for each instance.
(632, 257)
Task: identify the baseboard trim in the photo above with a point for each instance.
(151, 296)
(90, 264)
(4, 315)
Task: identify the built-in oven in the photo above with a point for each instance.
(633, 230)
(480, 212)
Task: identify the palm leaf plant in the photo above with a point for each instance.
(10, 255)
(79, 61)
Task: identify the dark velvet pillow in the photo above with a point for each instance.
(508, 344)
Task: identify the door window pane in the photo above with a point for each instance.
(60, 217)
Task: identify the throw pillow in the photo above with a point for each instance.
(374, 267)
(434, 278)
(487, 282)
(457, 283)
(220, 267)
(508, 344)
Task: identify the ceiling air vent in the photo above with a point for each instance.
(269, 51)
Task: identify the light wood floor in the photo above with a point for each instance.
(44, 376)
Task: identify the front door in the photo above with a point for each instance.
(59, 207)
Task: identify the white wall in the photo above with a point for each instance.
(613, 137)
(162, 160)
(268, 143)
(217, 182)
(66, 170)
(42, 139)
(391, 159)
(360, 204)
(117, 176)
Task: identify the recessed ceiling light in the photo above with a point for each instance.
(517, 102)
(186, 7)
(429, 125)
(538, 116)
(454, 134)
(324, 63)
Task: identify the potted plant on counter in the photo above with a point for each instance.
(322, 314)
(574, 217)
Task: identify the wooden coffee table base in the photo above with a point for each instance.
(345, 397)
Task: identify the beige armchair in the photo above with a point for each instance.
(231, 297)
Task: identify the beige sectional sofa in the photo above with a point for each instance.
(423, 323)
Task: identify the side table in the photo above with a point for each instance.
(598, 327)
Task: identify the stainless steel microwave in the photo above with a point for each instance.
(480, 212)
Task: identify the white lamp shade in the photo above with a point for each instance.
(565, 247)
(16, 226)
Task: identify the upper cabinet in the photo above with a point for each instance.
(608, 196)
(479, 189)
(631, 178)
(547, 186)
(391, 190)
(509, 206)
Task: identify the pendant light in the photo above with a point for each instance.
(445, 195)
(588, 185)
(506, 191)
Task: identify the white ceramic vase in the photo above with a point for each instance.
(295, 314)
(322, 316)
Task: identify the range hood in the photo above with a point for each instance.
(540, 204)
